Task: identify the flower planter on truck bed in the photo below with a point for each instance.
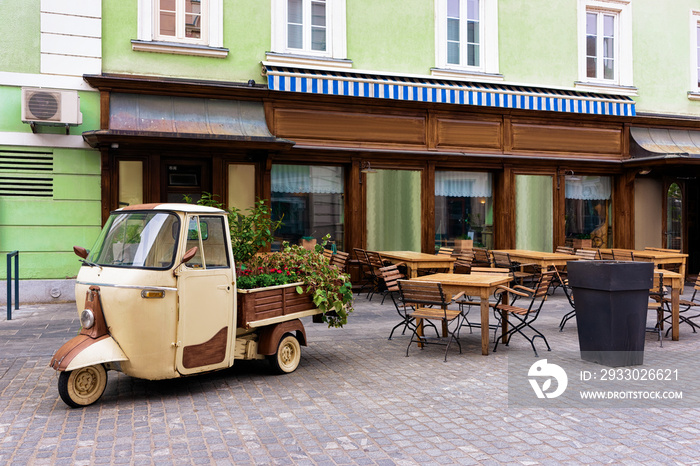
(265, 306)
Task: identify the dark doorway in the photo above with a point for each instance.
(184, 178)
(692, 219)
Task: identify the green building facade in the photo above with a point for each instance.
(640, 56)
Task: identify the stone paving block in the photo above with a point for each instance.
(355, 399)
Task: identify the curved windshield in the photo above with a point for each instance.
(137, 239)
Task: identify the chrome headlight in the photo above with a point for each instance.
(87, 318)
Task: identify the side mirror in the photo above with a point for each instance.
(189, 254)
(80, 252)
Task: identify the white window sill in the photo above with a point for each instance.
(178, 48)
(465, 75)
(305, 61)
(615, 89)
(694, 95)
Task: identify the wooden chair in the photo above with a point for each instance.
(367, 279)
(656, 298)
(588, 254)
(340, 260)
(482, 258)
(420, 296)
(561, 275)
(620, 255)
(521, 272)
(327, 253)
(390, 276)
(686, 306)
(568, 292)
(376, 262)
(606, 255)
(463, 264)
(443, 251)
(525, 316)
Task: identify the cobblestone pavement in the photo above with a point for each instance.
(355, 399)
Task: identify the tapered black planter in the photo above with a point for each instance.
(611, 299)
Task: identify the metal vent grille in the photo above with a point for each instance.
(26, 173)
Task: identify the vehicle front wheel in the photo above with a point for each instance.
(288, 355)
(82, 387)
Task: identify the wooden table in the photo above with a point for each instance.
(543, 259)
(475, 284)
(676, 281)
(659, 258)
(419, 260)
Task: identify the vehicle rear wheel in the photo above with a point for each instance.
(82, 387)
(288, 355)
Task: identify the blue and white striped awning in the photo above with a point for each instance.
(443, 91)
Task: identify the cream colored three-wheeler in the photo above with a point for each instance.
(157, 299)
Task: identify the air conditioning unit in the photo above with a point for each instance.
(51, 107)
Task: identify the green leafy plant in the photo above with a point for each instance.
(251, 230)
(331, 289)
(583, 236)
(249, 279)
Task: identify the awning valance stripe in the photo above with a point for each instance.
(441, 91)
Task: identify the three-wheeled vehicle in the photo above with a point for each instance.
(157, 299)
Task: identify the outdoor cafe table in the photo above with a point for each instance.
(481, 284)
(659, 258)
(543, 259)
(419, 260)
(675, 280)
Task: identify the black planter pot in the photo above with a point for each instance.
(611, 309)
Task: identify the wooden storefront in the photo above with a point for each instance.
(351, 131)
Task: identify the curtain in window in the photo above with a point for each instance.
(307, 179)
(309, 201)
(394, 210)
(463, 208)
(462, 184)
(534, 213)
(588, 187)
(588, 205)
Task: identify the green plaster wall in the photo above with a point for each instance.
(45, 230)
(662, 70)
(246, 34)
(390, 36)
(537, 42)
(19, 50)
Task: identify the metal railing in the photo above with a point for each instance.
(14, 254)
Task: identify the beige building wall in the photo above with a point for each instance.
(648, 208)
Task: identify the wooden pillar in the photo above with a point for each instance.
(428, 209)
(623, 211)
(504, 209)
(355, 217)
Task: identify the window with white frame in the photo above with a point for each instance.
(181, 20)
(466, 35)
(180, 26)
(309, 27)
(605, 42)
(601, 37)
